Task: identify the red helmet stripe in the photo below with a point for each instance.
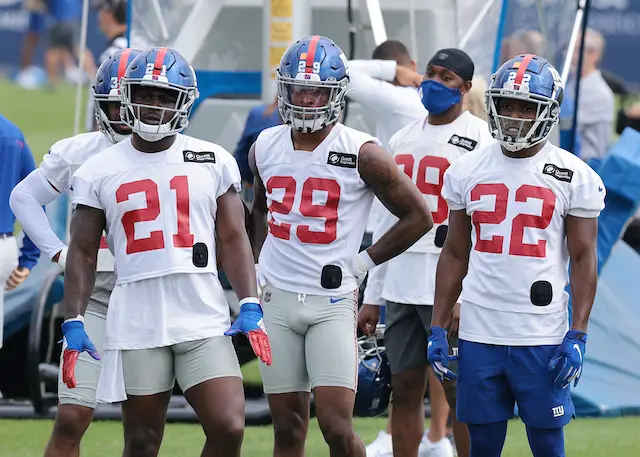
(311, 53)
(523, 68)
(122, 65)
(157, 65)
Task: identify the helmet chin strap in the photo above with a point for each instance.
(151, 133)
(309, 125)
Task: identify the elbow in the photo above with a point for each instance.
(425, 220)
(17, 198)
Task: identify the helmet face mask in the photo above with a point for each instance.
(312, 82)
(523, 106)
(106, 95)
(157, 102)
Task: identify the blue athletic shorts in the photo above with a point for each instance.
(492, 379)
(37, 22)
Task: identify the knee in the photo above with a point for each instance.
(408, 388)
(230, 426)
(142, 443)
(337, 431)
(71, 422)
(289, 429)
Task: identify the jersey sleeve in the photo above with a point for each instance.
(230, 175)
(83, 188)
(452, 189)
(587, 199)
(55, 169)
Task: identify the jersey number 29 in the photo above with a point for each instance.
(327, 211)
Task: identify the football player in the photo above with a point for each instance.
(520, 211)
(77, 396)
(406, 284)
(314, 183)
(168, 203)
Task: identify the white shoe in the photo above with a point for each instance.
(381, 446)
(442, 448)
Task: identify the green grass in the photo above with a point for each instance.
(584, 437)
(46, 117)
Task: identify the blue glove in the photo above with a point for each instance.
(75, 341)
(569, 358)
(438, 354)
(251, 323)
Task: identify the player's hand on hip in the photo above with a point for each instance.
(568, 359)
(74, 341)
(18, 276)
(61, 258)
(250, 322)
(368, 317)
(438, 354)
(362, 264)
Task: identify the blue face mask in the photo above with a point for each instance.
(438, 98)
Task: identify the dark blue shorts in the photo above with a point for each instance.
(492, 379)
(37, 22)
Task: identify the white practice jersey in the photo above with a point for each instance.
(63, 159)
(424, 152)
(317, 208)
(519, 254)
(160, 211)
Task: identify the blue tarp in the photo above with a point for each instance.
(610, 383)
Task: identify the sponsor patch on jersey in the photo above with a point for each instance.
(342, 159)
(561, 174)
(462, 142)
(199, 156)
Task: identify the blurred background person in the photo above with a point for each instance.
(112, 19)
(17, 162)
(473, 101)
(596, 104)
(28, 74)
(260, 117)
(63, 48)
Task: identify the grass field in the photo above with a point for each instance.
(46, 117)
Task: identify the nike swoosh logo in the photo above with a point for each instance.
(600, 189)
(335, 300)
(577, 348)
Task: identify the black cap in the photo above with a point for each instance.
(455, 60)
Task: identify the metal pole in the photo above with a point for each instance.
(82, 50)
(583, 5)
(483, 13)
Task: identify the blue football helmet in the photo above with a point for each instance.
(374, 375)
(106, 89)
(312, 82)
(532, 79)
(161, 68)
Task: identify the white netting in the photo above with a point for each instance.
(540, 27)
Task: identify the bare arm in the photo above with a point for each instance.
(400, 196)
(87, 224)
(233, 245)
(452, 267)
(258, 218)
(582, 237)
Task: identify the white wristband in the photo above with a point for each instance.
(254, 300)
(79, 317)
(365, 261)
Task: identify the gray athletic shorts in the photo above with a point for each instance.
(405, 337)
(313, 341)
(155, 370)
(87, 370)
